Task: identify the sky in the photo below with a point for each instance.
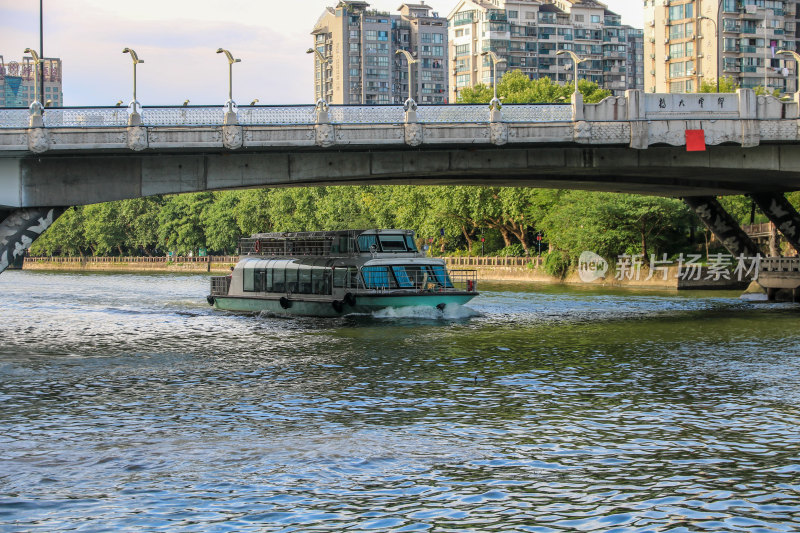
(177, 39)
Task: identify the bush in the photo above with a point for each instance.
(512, 250)
(557, 263)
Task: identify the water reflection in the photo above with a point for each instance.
(129, 404)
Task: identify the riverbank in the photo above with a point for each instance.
(523, 269)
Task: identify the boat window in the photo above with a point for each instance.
(412, 246)
(304, 279)
(321, 280)
(393, 243)
(339, 277)
(376, 277)
(268, 277)
(440, 275)
(402, 277)
(248, 275)
(365, 242)
(291, 277)
(279, 278)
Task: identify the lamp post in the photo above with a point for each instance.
(796, 57)
(716, 38)
(36, 106)
(575, 61)
(230, 114)
(495, 60)
(134, 119)
(322, 60)
(411, 61)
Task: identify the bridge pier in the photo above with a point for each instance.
(781, 213)
(19, 228)
(722, 225)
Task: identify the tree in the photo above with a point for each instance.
(726, 85)
(612, 223)
(516, 88)
(64, 237)
(219, 222)
(760, 90)
(180, 222)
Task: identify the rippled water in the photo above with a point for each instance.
(129, 405)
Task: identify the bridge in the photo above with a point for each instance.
(637, 143)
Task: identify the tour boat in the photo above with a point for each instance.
(333, 273)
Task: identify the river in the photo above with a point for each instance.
(129, 405)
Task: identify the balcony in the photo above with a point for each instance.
(749, 68)
(747, 50)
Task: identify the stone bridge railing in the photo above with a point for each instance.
(636, 119)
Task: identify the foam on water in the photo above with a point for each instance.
(450, 312)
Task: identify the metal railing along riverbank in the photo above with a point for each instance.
(490, 261)
(158, 259)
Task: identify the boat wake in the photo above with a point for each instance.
(449, 312)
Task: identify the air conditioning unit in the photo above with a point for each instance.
(652, 22)
(652, 39)
(666, 40)
(653, 72)
(690, 72)
(666, 59)
(699, 55)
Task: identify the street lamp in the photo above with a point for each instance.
(36, 106)
(134, 118)
(410, 60)
(575, 61)
(796, 57)
(322, 60)
(230, 103)
(716, 39)
(495, 60)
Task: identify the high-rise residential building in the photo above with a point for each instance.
(635, 57)
(688, 41)
(17, 82)
(362, 66)
(528, 33)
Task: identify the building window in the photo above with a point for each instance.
(354, 34)
(383, 35)
(372, 35)
(578, 18)
(530, 15)
(513, 14)
(676, 32)
(462, 50)
(595, 18)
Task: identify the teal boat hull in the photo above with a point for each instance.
(364, 304)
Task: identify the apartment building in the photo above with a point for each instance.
(361, 64)
(17, 82)
(528, 33)
(687, 42)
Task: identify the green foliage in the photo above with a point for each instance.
(516, 88)
(557, 263)
(760, 90)
(726, 85)
(610, 223)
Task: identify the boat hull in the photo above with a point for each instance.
(364, 304)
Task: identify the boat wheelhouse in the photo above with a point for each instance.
(332, 273)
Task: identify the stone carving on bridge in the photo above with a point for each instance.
(325, 135)
(498, 133)
(232, 137)
(582, 132)
(137, 138)
(38, 140)
(413, 133)
(722, 225)
(21, 228)
(781, 213)
(640, 135)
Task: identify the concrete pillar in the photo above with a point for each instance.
(635, 104)
(748, 104)
(577, 106)
(781, 213)
(722, 225)
(636, 115)
(21, 228)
